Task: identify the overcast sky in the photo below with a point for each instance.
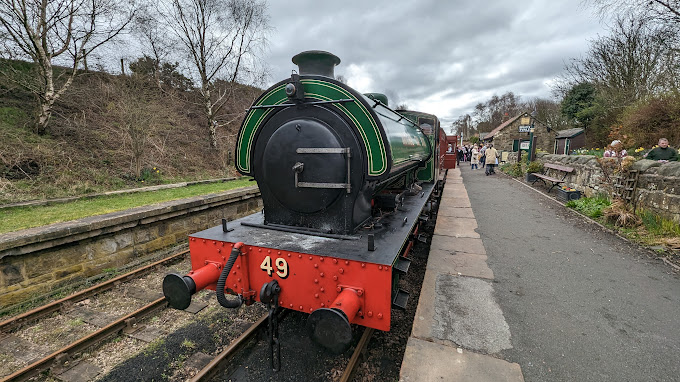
(437, 56)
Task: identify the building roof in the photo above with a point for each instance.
(569, 133)
(502, 126)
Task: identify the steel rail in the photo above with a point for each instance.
(212, 368)
(54, 306)
(84, 343)
(354, 360)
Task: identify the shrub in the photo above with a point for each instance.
(513, 169)
(591, 207)
(535, 166)
(657, 225)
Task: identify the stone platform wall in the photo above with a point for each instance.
(37, 260)
(658, 187)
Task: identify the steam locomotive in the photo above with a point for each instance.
(345, 183)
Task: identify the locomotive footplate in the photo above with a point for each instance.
(389, 239)
(331, 277)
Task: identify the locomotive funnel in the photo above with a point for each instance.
(316, 62)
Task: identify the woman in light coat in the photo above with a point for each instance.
(474, 159)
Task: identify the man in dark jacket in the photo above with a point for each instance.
(663, 153)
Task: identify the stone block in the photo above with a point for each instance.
(123, 257)
(151, 246)
(182, 236)
(670, 169)
(10, 274)
(178, 225)
(106, 246)
(46, 278)
(64, 272)
(91, 269)
(241, 208)
(17, 296)
(124, 240)
(43, 262)
(458, 244)
(643, 165)
(428, 361)
(145, 234)
(456, 227)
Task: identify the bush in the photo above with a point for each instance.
(513, 169)
(535, 166)
(591, 207)
(650, 119)
(657, 225)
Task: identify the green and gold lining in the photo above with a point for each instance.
(319, 90)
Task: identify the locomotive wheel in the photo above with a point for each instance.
(330, 329)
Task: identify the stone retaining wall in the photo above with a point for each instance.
(37, 260)
(658, 187)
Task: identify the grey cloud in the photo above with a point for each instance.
(463, 50)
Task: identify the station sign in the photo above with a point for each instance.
(525, 128)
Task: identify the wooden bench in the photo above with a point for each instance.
(557, 168)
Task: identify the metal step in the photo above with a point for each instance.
(402, 265)
(400, 299)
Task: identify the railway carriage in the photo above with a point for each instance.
(345, 183)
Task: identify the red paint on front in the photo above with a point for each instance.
(349, 302)
(312, 281)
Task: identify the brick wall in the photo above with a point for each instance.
(37, 260)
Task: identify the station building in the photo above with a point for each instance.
(509, 135)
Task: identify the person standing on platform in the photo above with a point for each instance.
(474, 158)
(663, 153)
(482, 155)
(491, 159)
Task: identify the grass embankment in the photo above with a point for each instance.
(14, 219)
(640, 226)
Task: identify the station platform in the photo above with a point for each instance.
(457, 283)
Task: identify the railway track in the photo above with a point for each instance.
(62, 355)
(58, 361)
(225, 358)
(68, 301)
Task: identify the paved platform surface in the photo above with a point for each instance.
(458, 322)
(519, 288)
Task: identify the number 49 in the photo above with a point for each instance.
(281, 266)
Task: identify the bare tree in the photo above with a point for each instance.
(50, 32)
(496, 110)
(548, 111)
(221, 41)
(152, 36)
(664, 12)
(463, 126)
(634, 61)
(135, 119)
